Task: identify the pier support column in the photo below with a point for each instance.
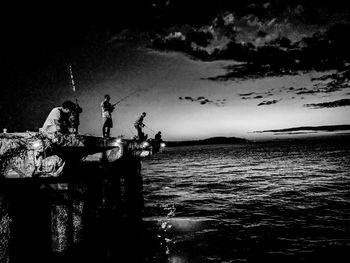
(30, 228)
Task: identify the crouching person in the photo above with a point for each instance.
(56, 122)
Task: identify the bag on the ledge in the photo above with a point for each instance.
(22, 156)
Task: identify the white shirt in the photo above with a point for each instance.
(106, 109)
(53, 121)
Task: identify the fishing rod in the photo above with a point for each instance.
(132, 133)
(72, 80)
(73, 83)
(124, 98)
(149, 128)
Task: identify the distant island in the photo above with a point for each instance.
(208, 141)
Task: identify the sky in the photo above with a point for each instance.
(254, 70)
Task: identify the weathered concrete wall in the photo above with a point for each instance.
(4, 230)
(43, 220)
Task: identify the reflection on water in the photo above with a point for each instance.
(279, 202)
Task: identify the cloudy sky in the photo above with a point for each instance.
(253, 69)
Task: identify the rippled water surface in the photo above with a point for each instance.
(280, 202)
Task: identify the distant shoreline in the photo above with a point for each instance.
(235, 140)
(208, 141)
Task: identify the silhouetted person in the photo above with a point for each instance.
(157, 141)
(57, 120)
(139, 125)
(158, 137)
(107, 109)
(73, 119)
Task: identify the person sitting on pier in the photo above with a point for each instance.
(73, 119)
(139, 125)
(57, 120)
(107, 109)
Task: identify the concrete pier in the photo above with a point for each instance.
(78, 214)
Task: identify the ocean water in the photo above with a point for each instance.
(263, 202)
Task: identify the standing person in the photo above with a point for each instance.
(139, 125)
(107, 109)
(73, 119)
(57, 120)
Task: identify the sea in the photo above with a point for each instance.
(279, 201)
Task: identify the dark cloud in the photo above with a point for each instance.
(327, 128)
(256, 95)
(321, 51)
(249, 71)
(203, 100)
(331, 104)
(306, 92)
(317, 89)
(333, 82)
(294, 133)
(189, 98)
(325, 84)
(266, 45)
(246, 94)
(268, 102)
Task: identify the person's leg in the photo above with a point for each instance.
(137, 129)
(104, 127)
(139, 132)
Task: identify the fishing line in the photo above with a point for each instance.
(71, 77)
(149, 128)
(124, 98)
(132, 133)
